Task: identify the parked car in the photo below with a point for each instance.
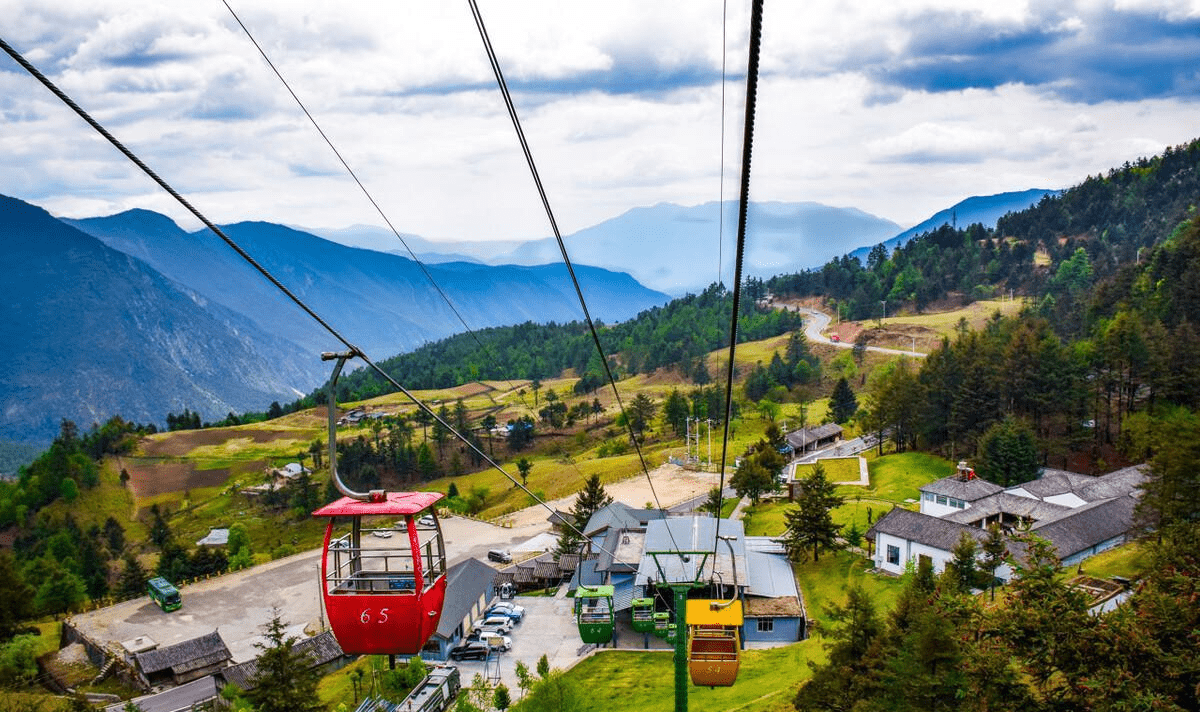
(509, 610)
(470, 650)
(499, 624)
(382, 533)
(500, 556)
(496, 640)
(427, 521)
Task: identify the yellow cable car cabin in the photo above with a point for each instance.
(714, 641)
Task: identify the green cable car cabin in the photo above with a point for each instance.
(642, 613)
(594, 613)
(164, 594)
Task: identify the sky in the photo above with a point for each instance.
(898, 108)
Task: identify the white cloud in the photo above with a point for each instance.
(405, 92)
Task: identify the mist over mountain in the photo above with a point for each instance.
(675, 248)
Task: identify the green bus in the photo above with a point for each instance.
(164, 594)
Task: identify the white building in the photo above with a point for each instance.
(1080, 515)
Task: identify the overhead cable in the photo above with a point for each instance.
(19, 59)
(537, 180)
(744, 202)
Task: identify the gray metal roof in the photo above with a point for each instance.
(809, 435)
(769, 575)
(619, 515)
(924, 528)
(1035, 509)
(466, 581)
(1089, 525)
(187, 655)
(967, 490)
(320, 649)
(693, 534)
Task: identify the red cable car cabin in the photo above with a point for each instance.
(384, 572)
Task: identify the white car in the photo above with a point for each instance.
(495, 624)
(382, 533)
(496, 640)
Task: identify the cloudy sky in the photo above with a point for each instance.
(899, 108)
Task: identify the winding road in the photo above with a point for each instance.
(816, 322)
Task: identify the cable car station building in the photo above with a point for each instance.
(755, 570)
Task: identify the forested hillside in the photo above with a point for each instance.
(1111, 270)
(678, 335)
(1111, 218)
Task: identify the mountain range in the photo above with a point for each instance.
(130, 315)
(674, 248)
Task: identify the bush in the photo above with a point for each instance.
(18, 661)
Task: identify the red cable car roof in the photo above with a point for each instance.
(395, 503)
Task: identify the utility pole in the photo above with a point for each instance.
(709, 423)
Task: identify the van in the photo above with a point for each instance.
(499, 556)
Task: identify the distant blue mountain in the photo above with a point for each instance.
(381, 302)
(677, 249)
(130, 315)
(985, 210)
(92, 332)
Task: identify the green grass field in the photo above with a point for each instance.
(622, 680)
(945, 323)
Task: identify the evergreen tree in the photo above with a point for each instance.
(995, 549)
(675, 412)
(1171, 491)
(640, 412)
(16, 597)
(286, 679)
(853, 643)
(810, 525)
(963, 567)
(160, 531)
(843, 403)
(1007, 454)
(591, 499)
(133, 578)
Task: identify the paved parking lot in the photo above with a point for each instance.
(548, 629)
(237, 605)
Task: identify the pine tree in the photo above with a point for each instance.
(1007, 454)
(842, 403)
(591, 499)
(810, 525)
(994, 551)
(963, 566)
(286, 679)
(133, 578)
(16, 597)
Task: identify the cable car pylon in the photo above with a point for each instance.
(717, 621)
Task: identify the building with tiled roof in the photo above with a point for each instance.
(1080, 515)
